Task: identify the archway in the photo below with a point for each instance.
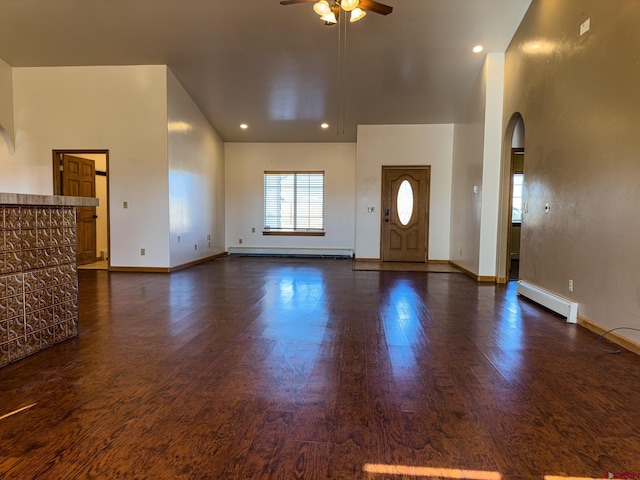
(512, 181)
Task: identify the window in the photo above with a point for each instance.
(516, 212)
(404, 202)
(293, 203)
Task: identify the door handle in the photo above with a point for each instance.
(95, 216)
(386, 211)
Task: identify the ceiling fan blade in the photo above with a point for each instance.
(375, 7)
(293, 2)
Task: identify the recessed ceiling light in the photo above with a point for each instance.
(478, 49)
(325, 125)
(244, 126)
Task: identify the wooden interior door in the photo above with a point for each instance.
(79, 180)
(405, 214)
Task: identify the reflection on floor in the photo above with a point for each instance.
(99, 265)
(280, 369)
(404, 267)
(514, 273)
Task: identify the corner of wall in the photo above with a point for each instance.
(7, 128)
(492, 157)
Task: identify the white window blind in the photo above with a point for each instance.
(294, 201)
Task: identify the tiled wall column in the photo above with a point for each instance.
(38, 279)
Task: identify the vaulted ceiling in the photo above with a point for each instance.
(277, 68)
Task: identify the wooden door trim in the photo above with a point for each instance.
(428, 204)
(514, 151)
(57, 187)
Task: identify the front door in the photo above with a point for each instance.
(405, 214)
(79, 180)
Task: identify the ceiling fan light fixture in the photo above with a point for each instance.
(329, 18)
(322, 8)
(349, 5)
(357, 14)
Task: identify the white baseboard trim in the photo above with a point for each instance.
(291, 251)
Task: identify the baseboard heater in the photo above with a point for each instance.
(555, 303)
(291, 252)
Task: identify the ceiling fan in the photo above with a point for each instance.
(329, 10)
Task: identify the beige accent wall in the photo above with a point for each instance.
(580, 100)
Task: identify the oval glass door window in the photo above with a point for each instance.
(404, 202)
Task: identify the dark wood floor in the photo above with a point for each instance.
(252, 368)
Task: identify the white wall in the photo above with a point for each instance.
(120, 109)
(380, 145)
(6, 106)
(245, 164)
(494, 72)
(476, 163)
(466, 206)
(196, 179)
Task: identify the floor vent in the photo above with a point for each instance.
(555, 303)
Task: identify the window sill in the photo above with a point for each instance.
(300, 233)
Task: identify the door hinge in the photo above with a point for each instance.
(61, 168)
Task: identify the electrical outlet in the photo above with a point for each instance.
(125, 204)
(209, 244)
(195, 247)
(240, 241)
(209, 237)
(143, 251)
(178, 238)
(253, 229)
(571, 285)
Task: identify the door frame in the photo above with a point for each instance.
(514, 152)
(428, 204)
(57, 182)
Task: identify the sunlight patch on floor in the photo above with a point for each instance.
(16, 411)
(455, 473)
(431, 472)
(560, 477)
